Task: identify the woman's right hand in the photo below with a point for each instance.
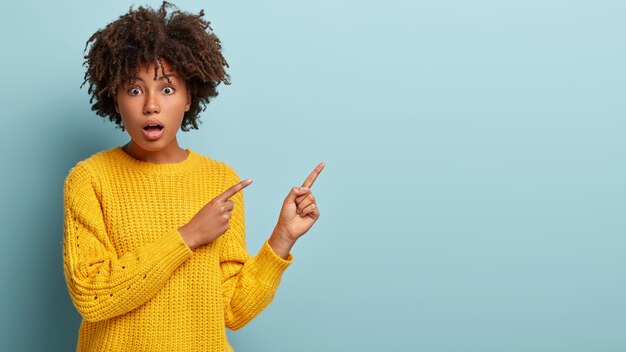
(212, 220)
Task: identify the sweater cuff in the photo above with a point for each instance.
(173, 249)
(271, 266)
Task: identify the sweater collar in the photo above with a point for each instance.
(128, 161)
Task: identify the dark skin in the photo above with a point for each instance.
(298, 214)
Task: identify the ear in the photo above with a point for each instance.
(188, 105)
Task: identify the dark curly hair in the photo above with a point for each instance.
(146, 36)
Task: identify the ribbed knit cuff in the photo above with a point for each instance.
(173, 248)
(271, 266)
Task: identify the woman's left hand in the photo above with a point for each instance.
(299, 211)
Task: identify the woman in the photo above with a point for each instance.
(154, 247)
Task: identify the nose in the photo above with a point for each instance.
(151, 105)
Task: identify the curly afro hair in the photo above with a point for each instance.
(146, 36)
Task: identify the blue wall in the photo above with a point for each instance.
(473, 198)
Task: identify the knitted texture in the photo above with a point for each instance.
(131, 276)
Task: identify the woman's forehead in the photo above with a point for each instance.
(147, 71)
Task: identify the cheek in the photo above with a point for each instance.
(126, 107)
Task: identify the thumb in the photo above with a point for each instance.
(295, 193)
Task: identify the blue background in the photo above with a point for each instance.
(473, 198)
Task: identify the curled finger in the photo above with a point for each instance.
(305, 203)
(311, 211)
(295, 193)
(304, 196)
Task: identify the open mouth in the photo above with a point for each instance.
(153, 128)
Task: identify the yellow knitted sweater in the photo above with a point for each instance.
(131, 276)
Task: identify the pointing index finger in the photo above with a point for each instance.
(313, 176)
(234, 189)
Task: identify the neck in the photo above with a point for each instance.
(170, 155)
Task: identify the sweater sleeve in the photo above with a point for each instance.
(101, 284)
(248, 283)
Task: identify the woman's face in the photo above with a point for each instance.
(152, 109)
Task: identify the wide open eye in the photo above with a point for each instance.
(134, 91)
(168, 90)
